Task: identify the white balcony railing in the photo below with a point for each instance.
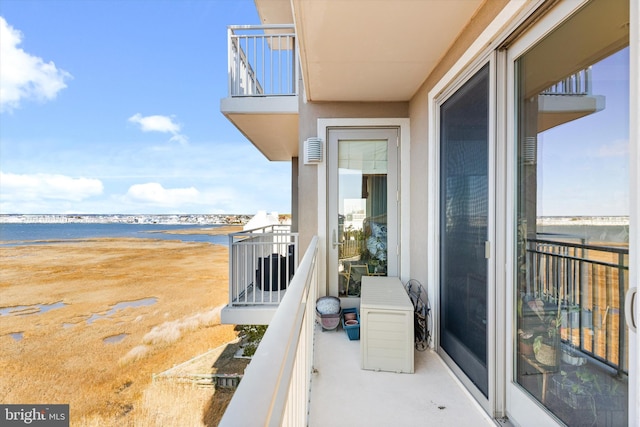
(262, 262)
(262, 60)
(576, 84)
(275, 388)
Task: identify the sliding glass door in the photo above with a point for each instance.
(464, 228)
(572, 211)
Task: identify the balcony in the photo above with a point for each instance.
(569, 99)
(262, 262)
(303, 376)
(262, 99)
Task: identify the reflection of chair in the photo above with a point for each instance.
(343, 281)
(354, 278)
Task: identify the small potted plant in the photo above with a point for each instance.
(525, 342)
(546, 331)
(583, 388)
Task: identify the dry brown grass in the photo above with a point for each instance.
(110, 384)
(190, 405)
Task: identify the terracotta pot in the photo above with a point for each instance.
(526, 348)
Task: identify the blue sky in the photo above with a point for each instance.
(583, 165)
(112, 106)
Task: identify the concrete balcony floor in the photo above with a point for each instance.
(343, 394)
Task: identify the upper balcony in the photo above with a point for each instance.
(569, 99)
(262, 101)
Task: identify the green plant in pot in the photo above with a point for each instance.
(546, 344)
(581, 388)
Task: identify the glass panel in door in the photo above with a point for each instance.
(572, 249)
(464, 200)
(364, 212)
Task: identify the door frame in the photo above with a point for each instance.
(404, 177)
(488, 403)
(634, 204)
(335, 137)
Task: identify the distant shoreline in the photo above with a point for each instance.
(161, 219)
(238, 219)
(583, 220)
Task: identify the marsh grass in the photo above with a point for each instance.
(63, 359)
(167, 403)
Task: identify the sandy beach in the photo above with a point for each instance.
(90, 322)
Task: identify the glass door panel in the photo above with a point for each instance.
(363, 205)
(572, 249)
(362, 212)
(464, 203)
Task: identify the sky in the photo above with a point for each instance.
(583, 165)
(113, 106)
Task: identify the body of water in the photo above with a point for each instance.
(18, 233)
(47, 233)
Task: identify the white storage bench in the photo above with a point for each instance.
(386, 325)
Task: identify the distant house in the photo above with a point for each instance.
(426, 140)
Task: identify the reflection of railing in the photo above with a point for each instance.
(261, 264)
(576, 84)
(590, 282)
(262, 60)
(275, 386)
(350, 248)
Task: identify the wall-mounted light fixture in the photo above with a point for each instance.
(313, 151)
(530, 150)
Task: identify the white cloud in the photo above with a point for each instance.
(180, 139)
(619, 148)
(162, 124)
(24, 76)
(47, 186)
(155, 123)
(156, 194)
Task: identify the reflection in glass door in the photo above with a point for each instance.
(572, 249)
(362, 209)
(464, 201)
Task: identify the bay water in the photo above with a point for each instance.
(12, 234)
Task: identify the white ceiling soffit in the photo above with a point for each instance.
(374, 50)
(274, 11)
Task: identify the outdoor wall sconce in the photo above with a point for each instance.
(313, 151)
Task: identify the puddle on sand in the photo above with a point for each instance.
(25, 310)
(17, 335)
(114, 338)
(122, 305)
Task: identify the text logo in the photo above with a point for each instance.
(34, 415)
